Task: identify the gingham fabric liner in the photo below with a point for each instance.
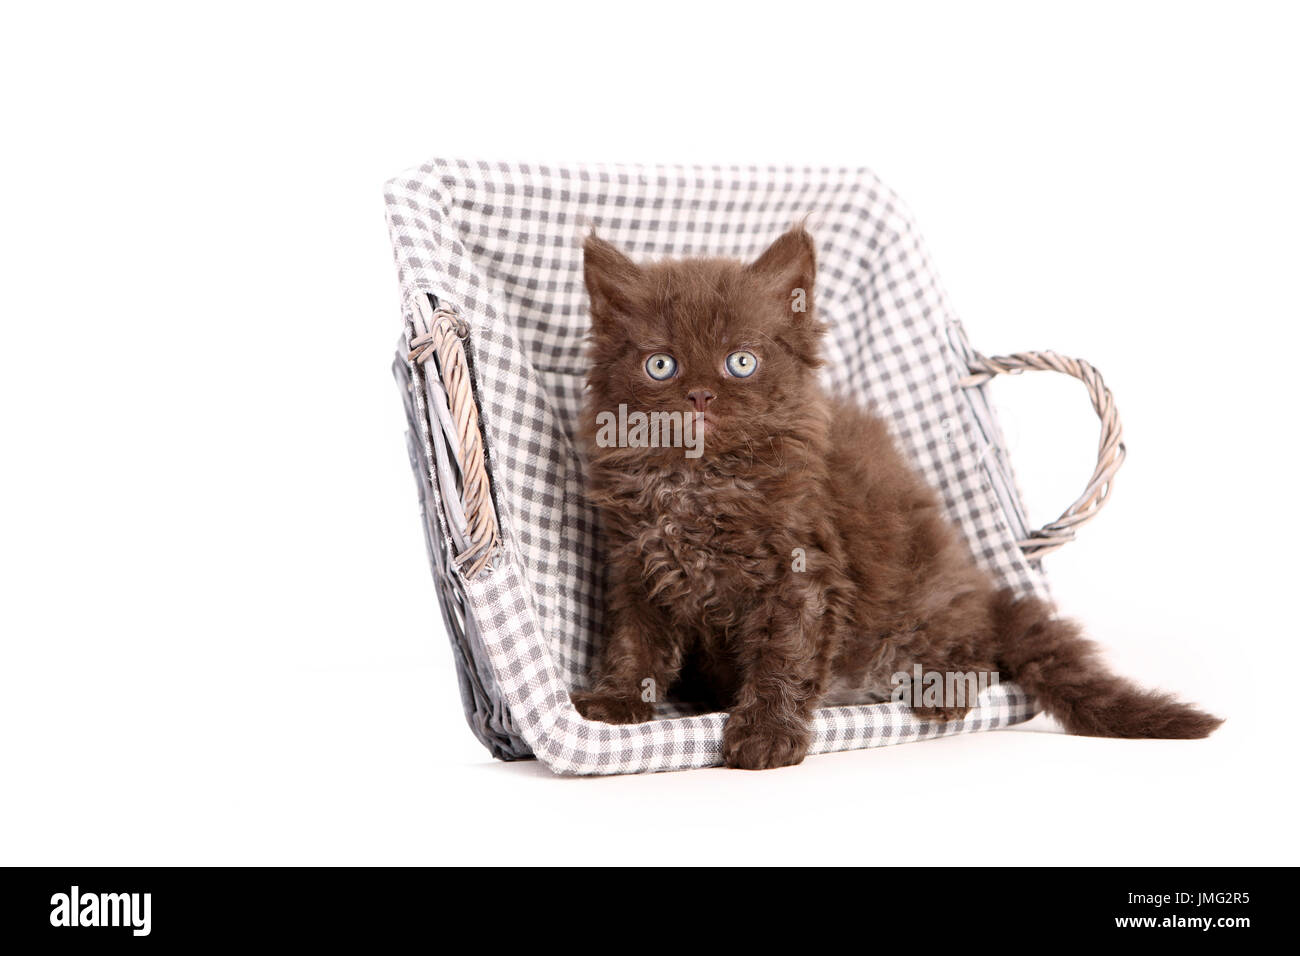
(568, 743)
(502, 244)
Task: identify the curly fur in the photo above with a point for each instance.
(704, 597)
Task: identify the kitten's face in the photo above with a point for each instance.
(733, 346)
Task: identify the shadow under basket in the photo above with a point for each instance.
(492, 365)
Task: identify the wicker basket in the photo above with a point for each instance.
(491, 369)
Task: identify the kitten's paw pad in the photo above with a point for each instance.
(940, 714)
(759, 746)
(612, 710)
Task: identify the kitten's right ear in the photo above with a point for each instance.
(789, 263)
(611, 278)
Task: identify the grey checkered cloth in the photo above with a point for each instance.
(501, 243)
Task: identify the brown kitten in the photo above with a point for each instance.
(704, 596)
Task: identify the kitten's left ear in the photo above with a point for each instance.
(611, 279)
(789, 264)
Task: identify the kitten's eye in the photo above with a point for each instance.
(660, 366)
(742, 364)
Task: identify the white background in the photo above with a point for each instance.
(220, 643)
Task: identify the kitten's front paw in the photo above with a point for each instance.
(612, 710)
(749, 744)
(940, 714)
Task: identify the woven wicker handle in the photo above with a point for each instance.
(1110, 449)
(443, 341)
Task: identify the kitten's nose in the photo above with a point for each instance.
(700, 397)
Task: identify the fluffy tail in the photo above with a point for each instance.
(1052, 660)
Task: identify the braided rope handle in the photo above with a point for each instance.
(1110, 448)
(444, 340)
